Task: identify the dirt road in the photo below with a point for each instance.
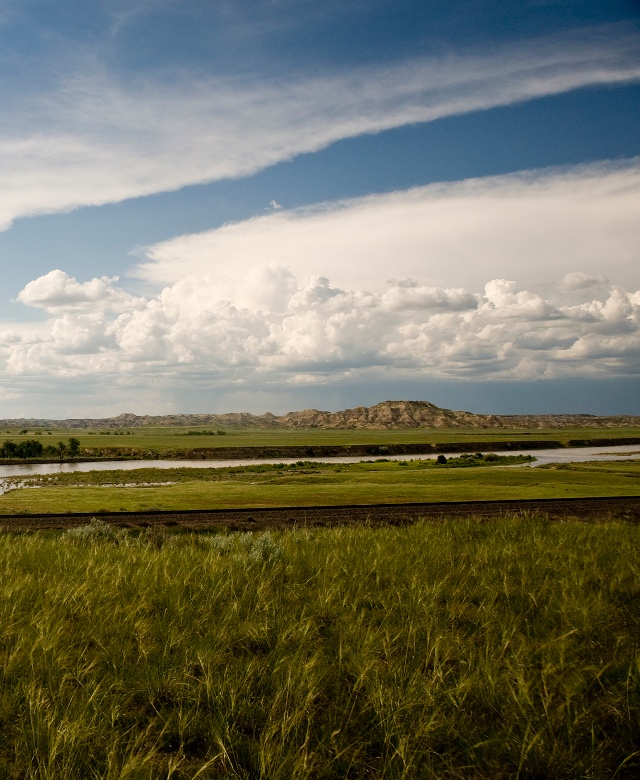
(588, 509)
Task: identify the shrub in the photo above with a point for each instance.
(264, 548)
(222, 544)
(259, 548)
(95, 531)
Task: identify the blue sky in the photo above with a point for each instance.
(271, 205)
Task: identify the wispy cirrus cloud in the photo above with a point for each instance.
(100, 141)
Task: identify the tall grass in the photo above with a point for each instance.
(460, 650)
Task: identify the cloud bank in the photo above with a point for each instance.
(107, 141)
(301, 333)
(306, 297)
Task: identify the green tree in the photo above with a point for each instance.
(30, 448)
(74, 447)
(62, 448)
(8, 449)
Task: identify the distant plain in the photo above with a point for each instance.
(180, 438)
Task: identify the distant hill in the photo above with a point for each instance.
(386, 415)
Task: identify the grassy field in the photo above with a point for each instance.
(458, 650)
(310, 484)
(161, 441)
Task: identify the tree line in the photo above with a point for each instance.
(32, 448)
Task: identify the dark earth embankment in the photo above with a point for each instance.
(362, 450)
(300, 452)
(586, 509)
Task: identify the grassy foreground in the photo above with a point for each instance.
(460, 650)
(318, 484)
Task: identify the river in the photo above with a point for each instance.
(564, 455)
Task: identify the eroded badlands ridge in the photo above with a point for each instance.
(385, 415)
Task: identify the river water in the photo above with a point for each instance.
(569, 455)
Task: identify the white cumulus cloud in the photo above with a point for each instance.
(314, 329)
(576, 281)
(57, 291)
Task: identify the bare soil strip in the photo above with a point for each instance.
(590, 509)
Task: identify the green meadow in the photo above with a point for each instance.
(164, 441)
(309, 484)
(456, 650)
